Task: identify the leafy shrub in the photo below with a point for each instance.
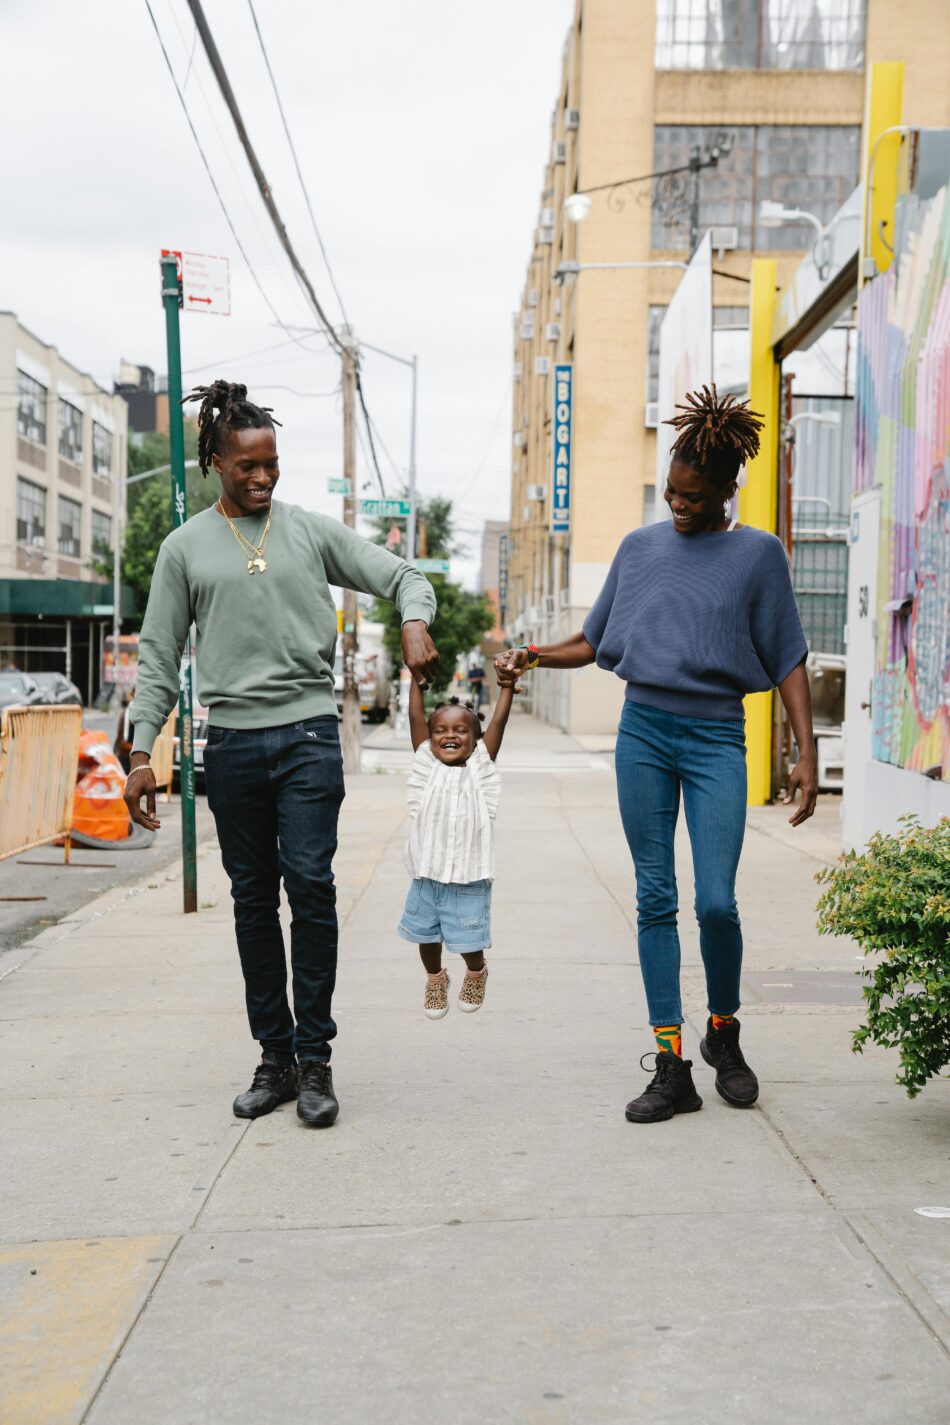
(894, 900)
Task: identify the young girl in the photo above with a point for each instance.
(453, 797)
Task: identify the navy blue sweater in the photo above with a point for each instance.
(694, 622)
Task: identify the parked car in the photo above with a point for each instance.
(58, 690)
(199, 741)
(18, 690)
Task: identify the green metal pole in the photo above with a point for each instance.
(176, 429)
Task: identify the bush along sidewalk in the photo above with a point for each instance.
(894, 900)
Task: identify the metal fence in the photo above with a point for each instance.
(38, 760)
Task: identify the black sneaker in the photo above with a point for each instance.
(316, 1102)
(671, 1091)
(273, 1083)
(735, 1081)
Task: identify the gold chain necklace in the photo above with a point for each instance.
(256, 562)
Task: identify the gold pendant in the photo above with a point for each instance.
(261, 563)
(250, 566)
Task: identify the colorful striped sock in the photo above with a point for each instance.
(669, 1039)
(722, 1021)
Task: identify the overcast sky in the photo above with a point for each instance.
(422, 128)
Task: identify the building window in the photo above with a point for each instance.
(31, 408)
(760, 34)
(70, 432)
(30, 512)
(814, 167)
(101, 532)
(101, 450)
(70, 524)
(654, 322)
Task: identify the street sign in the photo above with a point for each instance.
(390, 509)
(561, 475)
(432, 566)
(205, 282)
(338, 487)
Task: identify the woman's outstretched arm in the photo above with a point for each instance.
(573, 652)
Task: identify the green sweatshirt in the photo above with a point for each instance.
(265, 642)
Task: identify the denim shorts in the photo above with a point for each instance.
(458, 916)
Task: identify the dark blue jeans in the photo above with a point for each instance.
(275, 793)
(658, 754)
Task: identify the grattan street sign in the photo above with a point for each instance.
(338, 486)
(432, 566)
(390, 509)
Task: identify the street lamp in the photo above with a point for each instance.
(570, 268)
(577, 206)
(775, 215)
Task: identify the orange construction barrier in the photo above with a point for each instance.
(99, 810)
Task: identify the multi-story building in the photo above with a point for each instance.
(642, 87)
(62, 486)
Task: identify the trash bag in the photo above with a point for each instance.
(99, 810)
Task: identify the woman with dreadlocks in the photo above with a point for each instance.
(254, 577)
(696, 612)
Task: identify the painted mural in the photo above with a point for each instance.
(903, 445)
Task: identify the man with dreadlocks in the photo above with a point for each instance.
(254, 577)
(696, 612)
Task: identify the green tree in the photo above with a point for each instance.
(149, 512)
(463, 619)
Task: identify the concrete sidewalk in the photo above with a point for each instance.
(482, 1237)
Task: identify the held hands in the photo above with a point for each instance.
(419, 653)
(509, 667)
(803, 778)
(141, 783)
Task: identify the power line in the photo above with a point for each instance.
(369, 433)
(227, 93)
(303, 186)
(211, 180)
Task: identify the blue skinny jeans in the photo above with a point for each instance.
(658, 754)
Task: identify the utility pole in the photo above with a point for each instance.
(351, 692)
(176, 432)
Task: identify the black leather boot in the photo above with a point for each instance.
(671, 1091)
(316, 1102)
(273, 1083)
(735, 1081)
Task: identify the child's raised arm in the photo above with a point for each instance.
(418, 726)
(495, 730)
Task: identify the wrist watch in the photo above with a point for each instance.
(534, 657)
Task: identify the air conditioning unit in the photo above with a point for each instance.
(547, 218)
(549, 606)
(519, 437)
(532, 296)
(724, 239)
(651, 415)
(552, 331)
(572, 118)
(542, 365)
(560, 152)
(545, 236)
(516, 371)
(527, 327)
(564, 598)
(536, 492)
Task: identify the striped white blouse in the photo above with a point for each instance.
(451, 810)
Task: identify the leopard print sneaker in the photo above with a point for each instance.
(436, 1003)
(472, 993)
